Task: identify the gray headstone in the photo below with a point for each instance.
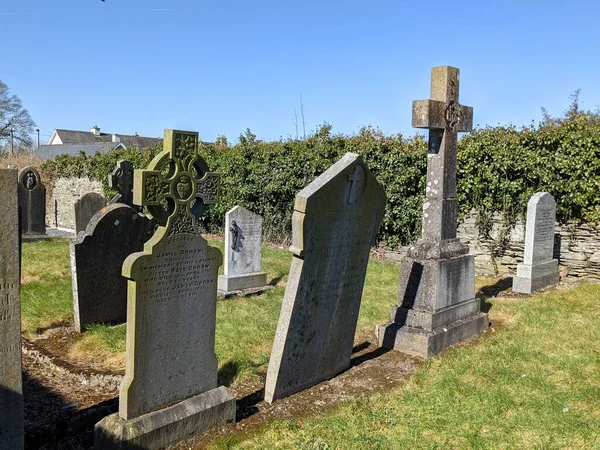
(335, 221)
(11, 394)
(243, 251)
(539, 268)
(32, 201)
(437, 306)
(97, 256)
(121, 180)
(85, 208)
(170, 387)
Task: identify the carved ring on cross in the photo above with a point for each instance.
(452, 115)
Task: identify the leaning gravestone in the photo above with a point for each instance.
(85, 208)
(437, 306)
(243, 239)
(334, 224)
(121, 180)
(539, 268)
(170, 388)
(32, 201)
(97, 255)
(11, 394)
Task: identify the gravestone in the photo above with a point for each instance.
(170, 388)
(97, 255)
(539, 268)
(436, 302)
(121, 180)
(32, 201)
(243, 251)
(334, 224)
(85, 208)
(11, 393)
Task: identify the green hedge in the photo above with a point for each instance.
(499, 169)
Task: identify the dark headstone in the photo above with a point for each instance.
(85, 208)
(32, 201)
(121, 180)
(97, 255)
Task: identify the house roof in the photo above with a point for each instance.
(70, 137)
(52, 151)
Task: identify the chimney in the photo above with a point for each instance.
(95, 130)
(116, 138)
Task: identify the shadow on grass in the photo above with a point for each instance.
(377, 352)
(275, 281)
(492, 290)
(228, 372)
(59, 324)
(246, 406)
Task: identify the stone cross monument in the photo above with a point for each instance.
(437, 305)
(121, 180)
(170, 387)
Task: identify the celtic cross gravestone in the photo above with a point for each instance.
(170, 387)
(121, 180)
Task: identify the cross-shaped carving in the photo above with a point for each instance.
(121, 180)
(444, 117)
(177, 185)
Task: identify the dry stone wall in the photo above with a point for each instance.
(60, 212)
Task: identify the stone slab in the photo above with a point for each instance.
(97, 256)
(162, 428)
(526, 285)
(32, 201)
(429, 321)
(539, 229)
(11, 393)
(537, 270)
(85, 208)
(228, 284)
(243, 242)
(334, 224)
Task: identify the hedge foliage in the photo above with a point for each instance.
(499, 169)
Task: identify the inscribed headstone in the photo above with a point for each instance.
(85, 208)
(437, 306)
(539, 268)
(334, 224)
(32, 201)
(97, 255)
(243, 251)
(170, 387)
(11, 394)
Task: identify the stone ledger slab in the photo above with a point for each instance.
(85, 208)
(32, 201)
(243, 252)
(97, 256)
(539, 268)
(334, 224)
(11, 393)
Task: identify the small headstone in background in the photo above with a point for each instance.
(334, 224)
(170, 391)
(11, 393)
(243, 252)
(121, 180)
(85, 208)
(539, 268)
(32, 201)
(97, 255)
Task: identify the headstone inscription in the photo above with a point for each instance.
(121, 180)
(11, 394)
(334, 224)
(243, 252)
(32, 201)
(170, 387)
(85, 208)
(97, 256)
(437, 306)
(539, 268)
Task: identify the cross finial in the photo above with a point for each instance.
(121, 180)
(177, 185)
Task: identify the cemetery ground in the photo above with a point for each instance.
(529, 381)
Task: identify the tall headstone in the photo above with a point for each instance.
(436, 302)
(170, 387)
(11, 394)
(539, 268)
(334, 224)
(85, 208)
(32, 201)
(97, 256)
(121, 180)
(243, 252)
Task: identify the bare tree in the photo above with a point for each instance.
(16, 125)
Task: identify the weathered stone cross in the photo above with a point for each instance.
(177, 185)
(444, 117)
(121, 180)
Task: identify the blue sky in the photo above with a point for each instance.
(221, 67)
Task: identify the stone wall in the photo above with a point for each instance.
(60, 211)
(577, 248)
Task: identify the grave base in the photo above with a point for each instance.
(165, 427)
(425, 343)
(235, 283)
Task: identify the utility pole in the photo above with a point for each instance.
(12, 146)
(38, 132)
